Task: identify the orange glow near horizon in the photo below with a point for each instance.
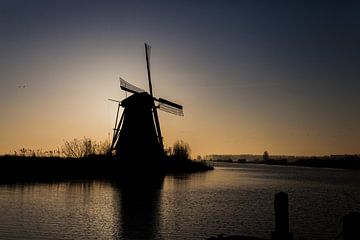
(74, 105)
(45, 114)
(247, 84)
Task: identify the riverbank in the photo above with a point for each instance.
(344, 162)
(18, 168)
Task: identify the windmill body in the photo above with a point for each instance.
(137, 138)
(137, 135)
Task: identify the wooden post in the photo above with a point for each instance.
(351, 226)
(281, 218)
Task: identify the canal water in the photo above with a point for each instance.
(234, 199)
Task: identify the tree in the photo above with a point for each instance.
(103, 148)
(266, 156)
(180, 151)
(77, 148)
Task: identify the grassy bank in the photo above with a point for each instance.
(18, 168)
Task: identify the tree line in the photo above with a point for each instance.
(85, 147)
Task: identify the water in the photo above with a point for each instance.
(232, 199)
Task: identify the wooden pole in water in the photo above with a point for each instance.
(281, 207)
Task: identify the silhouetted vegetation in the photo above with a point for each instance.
(180, 151)
(79, 148)
(332, 161)
(265, 156)
(76, 148)
(84, 159)
(223, 160)
(344, 161)
(179, 160)
(27, 152)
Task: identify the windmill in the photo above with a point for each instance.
(137, 134)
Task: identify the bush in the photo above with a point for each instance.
(266, 156)
(180, 151)
(78, 148)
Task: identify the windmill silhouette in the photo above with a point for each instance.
(137, 134)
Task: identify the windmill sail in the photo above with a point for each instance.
(170, 107)
(156, 117)
(172, 104)
(126, 86)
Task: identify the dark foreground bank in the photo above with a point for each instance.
(16, 168)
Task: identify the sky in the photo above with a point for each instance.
(281, 76)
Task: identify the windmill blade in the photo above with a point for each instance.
(114, 100)
(172, 104)
(124, 85)
(147, 55)
(170, 107)
(156, 117)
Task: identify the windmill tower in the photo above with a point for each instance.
(137, 134)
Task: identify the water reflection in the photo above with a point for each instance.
(227, 200)
(64, 210)
(139, 209)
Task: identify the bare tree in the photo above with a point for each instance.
(181, 151)
(103, 148)
(77, 148)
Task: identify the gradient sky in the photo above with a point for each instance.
(251, 75)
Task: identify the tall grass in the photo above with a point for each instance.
(75, 148)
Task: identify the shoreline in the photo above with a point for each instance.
(346, 164)
(33, 169)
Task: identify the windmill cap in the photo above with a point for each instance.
(142, 99)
